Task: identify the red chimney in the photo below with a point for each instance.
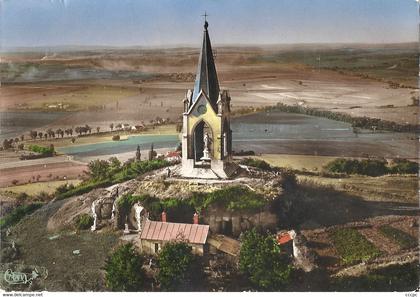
(164, 216)
(195, 218)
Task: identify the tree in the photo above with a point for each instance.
(260, 260)
(124, 270)
(99, 169)
(97, 129)
(7, 144)
(22, 137)
(40, 135)
(33, 134)
(138, 153)
(175, 266)
(111, 126)
(114, 163)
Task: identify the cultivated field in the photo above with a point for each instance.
(33, 189)
(140, 85)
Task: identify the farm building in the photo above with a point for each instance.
(155, 234)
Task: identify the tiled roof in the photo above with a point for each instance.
(283, 238)
(163, 231)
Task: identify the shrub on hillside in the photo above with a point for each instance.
(233, 198)
(352, 166)
(45, 151)
(83, 221)
(175, 266)
(403, 166)
(17, 214)
(261, 261)
(372, 167)
(261, 164)
(123, 270)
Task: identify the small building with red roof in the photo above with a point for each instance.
(155, 234)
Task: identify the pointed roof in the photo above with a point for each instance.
(206, 77)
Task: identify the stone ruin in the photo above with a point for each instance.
(105, 211)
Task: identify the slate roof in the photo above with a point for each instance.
(164, 231)
(206, 77)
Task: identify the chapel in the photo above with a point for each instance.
(206, 134)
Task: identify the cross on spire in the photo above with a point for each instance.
(205, 15)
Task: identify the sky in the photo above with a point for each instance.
(26, 23)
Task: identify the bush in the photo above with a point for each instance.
(232, 198)
(21, 198)
(45, 151)
(244, 153)
(84, 188)
(403, 166)
(261, 164)
(175, 266)
(116, 137)
(18, 214)
(178, 210)
(261, 261)
(106, 173)
(371, 167)
(64, 188)
(364, 167)
(123, 270)
(83, 221)
(99, 169)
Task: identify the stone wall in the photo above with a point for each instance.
(233, 223)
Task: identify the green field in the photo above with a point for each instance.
(353, 246)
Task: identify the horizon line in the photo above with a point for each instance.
(174, 46)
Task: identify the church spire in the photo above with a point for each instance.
(206, 77)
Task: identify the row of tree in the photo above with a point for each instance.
(13, 143)
(50, 133)
(359, 122)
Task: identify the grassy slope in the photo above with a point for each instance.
(66, 271)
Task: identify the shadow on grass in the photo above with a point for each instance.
(312, 206)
